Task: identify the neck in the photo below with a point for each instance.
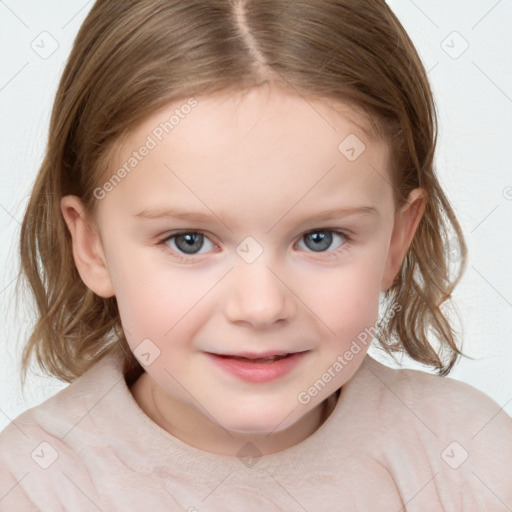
(195, 429)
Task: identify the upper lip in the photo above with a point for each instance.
(254, 355)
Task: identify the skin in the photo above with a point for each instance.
(262, 164)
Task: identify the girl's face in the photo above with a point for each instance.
(246, 225)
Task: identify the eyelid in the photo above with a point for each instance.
(178, 232)
(343, 232)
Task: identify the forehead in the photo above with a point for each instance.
(240, 148)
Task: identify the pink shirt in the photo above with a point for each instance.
(397, 440)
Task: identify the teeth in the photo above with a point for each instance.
(261, 359)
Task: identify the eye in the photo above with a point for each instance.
(189, 242)
(322, 240)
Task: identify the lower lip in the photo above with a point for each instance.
(258, 372)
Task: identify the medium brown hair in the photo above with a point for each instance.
(132, 57)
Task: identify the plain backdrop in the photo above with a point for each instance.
(466, 48)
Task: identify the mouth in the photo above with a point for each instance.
(263, 357)
(262, 367)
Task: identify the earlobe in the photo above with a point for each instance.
(405, 226)
(88, 251)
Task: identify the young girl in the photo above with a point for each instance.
(229, 191)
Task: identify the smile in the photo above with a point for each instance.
(258, 369)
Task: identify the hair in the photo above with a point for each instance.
(133, 57)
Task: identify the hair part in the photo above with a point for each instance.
(133, 57)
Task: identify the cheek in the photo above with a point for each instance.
(156, 300)
(346, 299)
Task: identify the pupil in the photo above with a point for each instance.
(321, 241)
(192, 242)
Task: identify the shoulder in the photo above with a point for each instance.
(442, 431)
(444, 402)
(52, 435)
(62, 411)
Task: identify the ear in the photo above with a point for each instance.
(405, 225)
(88, 251)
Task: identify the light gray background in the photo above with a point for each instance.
(473, 89)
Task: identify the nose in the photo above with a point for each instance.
(258, 296)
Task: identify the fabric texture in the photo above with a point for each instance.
(397, 440)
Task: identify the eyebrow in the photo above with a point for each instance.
(204, 218)
(165, 213)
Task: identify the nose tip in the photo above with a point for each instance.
(257, 297)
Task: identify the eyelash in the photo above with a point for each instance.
(325, 254)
